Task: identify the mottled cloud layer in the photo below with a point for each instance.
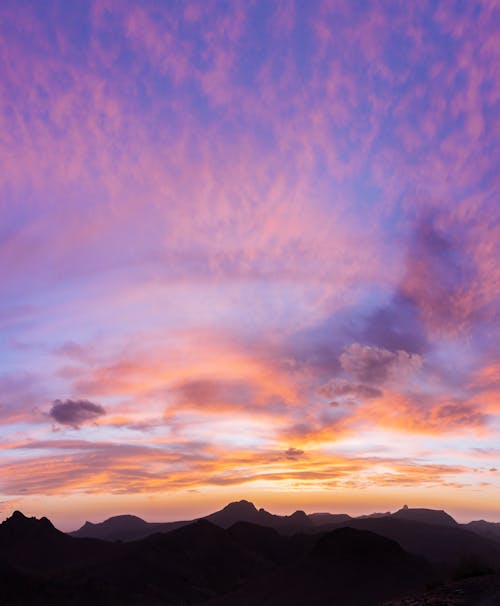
(252, 245)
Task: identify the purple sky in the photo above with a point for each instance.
(249, 249)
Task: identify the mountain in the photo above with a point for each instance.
(132, 528)
(478, 591)
(239, 511)
(190, 564)
(33, 544)
(319, 519)
(124, 528)
(490, 530)
(19, 527)
(346, 566)
(441, 544)
(357, 562)
(376, 514)
(114, 528)
(41, 565)
(269, 544)
(244, 511)
(428, 516)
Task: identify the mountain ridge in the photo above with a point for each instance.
(357, 562)
(129, 527)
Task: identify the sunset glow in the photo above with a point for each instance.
(249, 250)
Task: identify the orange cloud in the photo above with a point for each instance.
(424, 414)
(86, 467)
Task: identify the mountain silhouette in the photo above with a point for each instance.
(345, 566)
(376, 514)
(267, 543)
(33, 544)
(19, 526)
(490, 530)
(244, 511)
(358, 562)
(238, 511)
(190, 564)
(319, 519)
(429, 516)
(124, 528)
(131, 528)
(442, 544)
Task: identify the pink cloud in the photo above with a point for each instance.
(377, 365)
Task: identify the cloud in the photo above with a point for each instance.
(339, 388)
(293, 453)
(377, 365)
(439, 275)
(19, 394)
(124, 469)
(416, 413)
(459, 415)
(75, 413)
(215, 393)
(76, 352)
(396, 325)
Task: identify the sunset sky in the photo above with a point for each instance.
(249, 250)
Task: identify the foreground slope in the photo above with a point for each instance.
(441, 544)
(198, 563)
(345, 566)
(362, 562)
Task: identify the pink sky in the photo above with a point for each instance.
(249, 250)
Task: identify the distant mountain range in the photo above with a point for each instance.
(240, 556)
(131, 528)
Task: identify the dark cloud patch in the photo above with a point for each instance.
(293, 453)
(75, 413)
(440, 275)
(461, 415)
(340, 388)
(376, 364)
(344, 402)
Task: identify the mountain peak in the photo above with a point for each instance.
(124, 519)
(19, 524)
(299, 515)
(242, 506)
(19, 520)
(18, 515)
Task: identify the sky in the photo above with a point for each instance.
(249, 250)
